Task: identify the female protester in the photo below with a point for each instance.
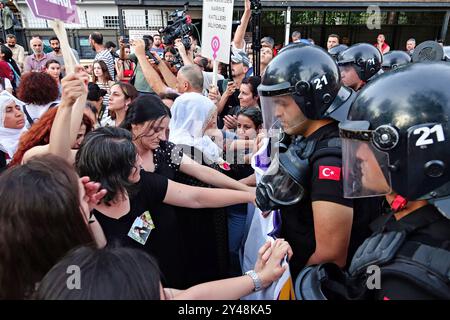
(12, 126)
(136, 197)
(148, 121)
(44, 214)
(36, 139)
(39, 92)
(125, 68)
(6, 55)
(122, 94)
(107, 269)
(104, 80)
(95, 97)
(248, 97)
(53, 68)
(249, 123)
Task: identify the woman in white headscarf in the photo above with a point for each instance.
(191, 114)
(12, 125)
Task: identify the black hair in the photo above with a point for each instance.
(112, 273)
(108, 156)
(40, 221)
(97, 37)
(254, 114)
(53, 38)
(94, 92)
(169, 95)
(110, 44)
(49, 62)
(144, 108)
(254, 82)
(91, 107)
(9, 58)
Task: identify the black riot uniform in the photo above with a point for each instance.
(310, 169)
(364, 58)
(396, 143)
(398, 140)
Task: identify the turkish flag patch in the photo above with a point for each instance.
(329, 173)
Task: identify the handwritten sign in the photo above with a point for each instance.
(216, 34)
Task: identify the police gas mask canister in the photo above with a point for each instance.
(281, 185)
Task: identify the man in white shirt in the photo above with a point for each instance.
(17, 50)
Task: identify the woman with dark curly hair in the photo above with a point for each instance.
(39, 91)
(37, 138)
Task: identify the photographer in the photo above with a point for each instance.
(150, 74)
(138, 80)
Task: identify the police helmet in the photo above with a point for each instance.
(394, 59)
(321, 282)
(400, 122)
(334, 52)
(310, 75)
(364, 57)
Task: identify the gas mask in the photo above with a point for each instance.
(281, 185)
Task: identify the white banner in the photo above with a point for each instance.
(138, 34)
(216, 29)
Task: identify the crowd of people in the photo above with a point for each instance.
(156, 182)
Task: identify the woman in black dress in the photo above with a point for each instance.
(147, 119)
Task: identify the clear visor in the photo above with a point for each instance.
(268, 108)
(280, 187)
(365, 169)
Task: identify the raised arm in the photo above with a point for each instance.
(74, 88)
(238, 39)
(210, 176)
(168, 76)
(182, 195)
(150, 74)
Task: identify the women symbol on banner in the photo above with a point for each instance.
(215, 45)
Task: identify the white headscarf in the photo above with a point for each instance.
(9, 138)
(191, 113)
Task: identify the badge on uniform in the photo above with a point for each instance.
(141, 228)
(329, 173)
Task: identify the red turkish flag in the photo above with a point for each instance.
(329, 173)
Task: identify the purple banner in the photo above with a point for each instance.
(64, 10)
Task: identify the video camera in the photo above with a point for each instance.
(179, 26)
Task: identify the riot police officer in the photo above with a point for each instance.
(359, 64)
(397, 144)
(301, 88)
(394, 59)
(334, 52)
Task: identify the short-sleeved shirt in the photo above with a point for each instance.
(140, 83)
(32, 64)
(297, 220)
(167, 159)
(107, 57)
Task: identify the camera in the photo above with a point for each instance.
(179, 26)
(255, 5)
